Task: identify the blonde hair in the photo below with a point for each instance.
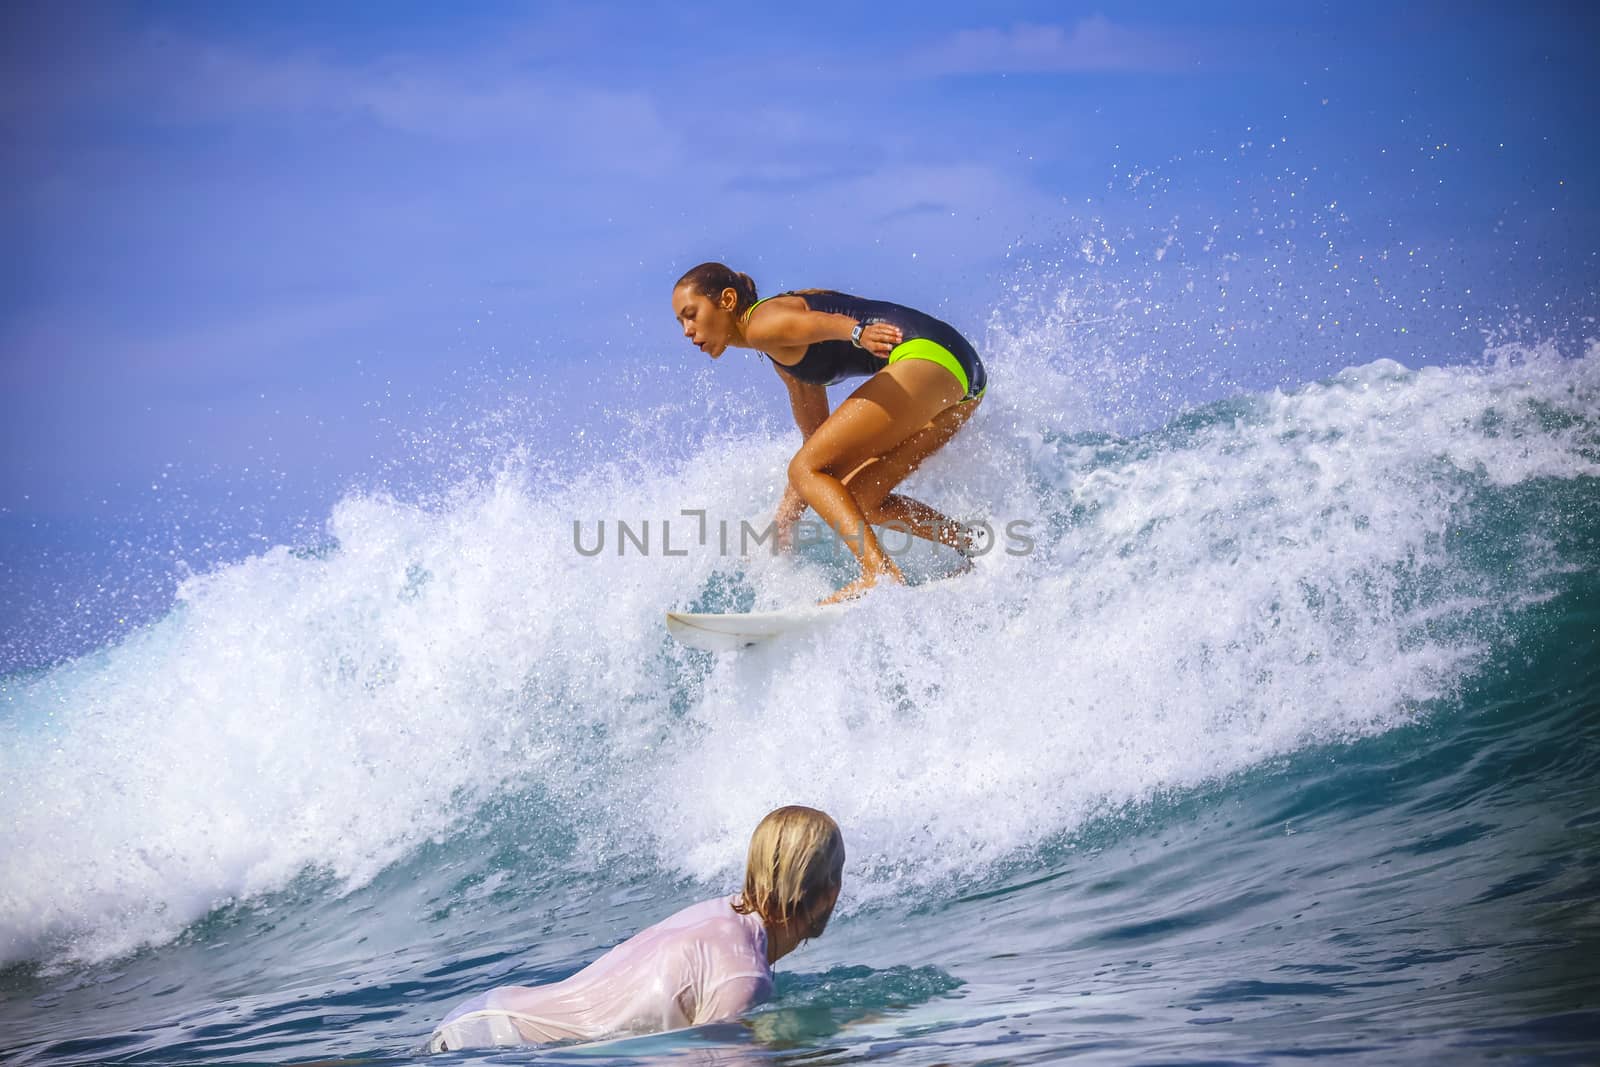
(796, 857)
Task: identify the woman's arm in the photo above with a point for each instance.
(777, 324)
(788, 323)
(733, 998)
(809, 402)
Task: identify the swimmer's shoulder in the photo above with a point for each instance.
(780, 304)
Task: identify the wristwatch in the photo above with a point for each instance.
(855, 334)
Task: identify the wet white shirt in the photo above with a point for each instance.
(702, 965)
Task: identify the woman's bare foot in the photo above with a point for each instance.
(867, 580)
(849, 592)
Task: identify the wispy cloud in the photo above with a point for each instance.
(1093, 44)
(53, 353)
(163, 79)
(418, 97)
(790, 179)
(958, 205)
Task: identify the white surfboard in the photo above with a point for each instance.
(736, 630)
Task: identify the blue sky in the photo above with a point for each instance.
(254, 246)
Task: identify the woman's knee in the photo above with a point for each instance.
(803, 466)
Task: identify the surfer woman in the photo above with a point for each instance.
(923, 382)
(709, 962)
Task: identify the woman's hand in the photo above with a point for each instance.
(790, 508)
(880, 338)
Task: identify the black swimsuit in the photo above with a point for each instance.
(922, 337)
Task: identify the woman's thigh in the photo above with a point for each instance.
(888, 408)
(874, 480)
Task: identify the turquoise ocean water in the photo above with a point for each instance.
(1281, 741)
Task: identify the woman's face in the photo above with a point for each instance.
(706, 322)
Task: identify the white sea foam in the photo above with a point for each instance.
(1288, 574)
(1278, 571)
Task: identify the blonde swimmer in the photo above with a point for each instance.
(709, 962)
